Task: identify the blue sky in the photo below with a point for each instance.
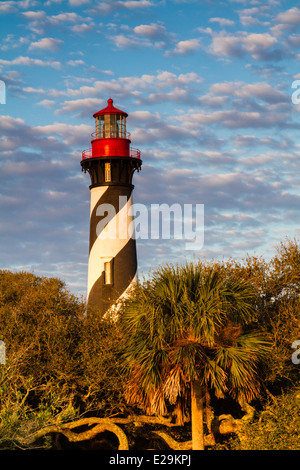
(207, 86)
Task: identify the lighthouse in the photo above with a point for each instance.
(111, 163)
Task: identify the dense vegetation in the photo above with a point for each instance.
(224, 327)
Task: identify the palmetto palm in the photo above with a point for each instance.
(184, 333)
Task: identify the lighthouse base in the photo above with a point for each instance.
(103, 296)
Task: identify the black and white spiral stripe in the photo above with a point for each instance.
(119, 251)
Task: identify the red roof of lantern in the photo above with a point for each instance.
(110, 109)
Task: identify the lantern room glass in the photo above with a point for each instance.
(109, 126)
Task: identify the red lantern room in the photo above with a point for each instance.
(110, 138)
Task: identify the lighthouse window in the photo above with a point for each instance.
(111, 129)
(97, 127)
(107, 172)
(108, 272)
(121, 126)
(101, 127)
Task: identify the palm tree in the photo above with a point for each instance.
(184, 331)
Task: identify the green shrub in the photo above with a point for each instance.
(277, 427)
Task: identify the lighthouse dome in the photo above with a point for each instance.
(110, 109)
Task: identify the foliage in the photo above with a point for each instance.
(277, 427)
(62, 363)
(59, 362)
(102, 382)
(39, 324)
(276, 284)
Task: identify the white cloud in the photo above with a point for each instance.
(222, 21)
(261, 90)
(30, 89)
(108, 6)
(50, 2)
(153, 35)
(287, 20)
(46, 103)
(64, 17)
(39, 21)
(254, 141)
(84, 106)
(7, 7)
(76, 3)
(135, 4)
(82, 28)
(185, 47)
(13, 42)
(51, 44)
(250, 20)
(153, 30)
(167, 78)
(138, 40)
(71, 134)
(233, 119)
(261, 46)
(28, 61)
(213, 101)
(249, 16)
(34, 15)
(164, 86)
(291, 16)
(259, 43)
(124, 42)
(11, 6)
(75, 63)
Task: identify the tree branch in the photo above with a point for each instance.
(223, 424)
(102, 424)
(175, 445)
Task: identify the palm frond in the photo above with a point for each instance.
(186, 323)
(175, 384)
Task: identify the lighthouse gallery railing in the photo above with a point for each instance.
(134, 153)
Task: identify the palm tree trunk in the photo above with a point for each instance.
(197, 398)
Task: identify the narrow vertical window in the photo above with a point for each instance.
(97, 127)
(108, 272)
(101, 122)
(124, 127)
(107, 172)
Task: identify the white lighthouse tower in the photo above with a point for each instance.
(110, 163)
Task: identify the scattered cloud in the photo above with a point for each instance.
(109, 6)
(76, 3)
(51, 44)
(29, 61)
(75, 63)
(260, 90)
(187, 46)
(46, 103)
(144, 35)
(289, 17)
(153, 30)
(222, 21)
(39, 21)
(82, 28)
(260, 46)
(34, 15)
(11, 6)
(208, 92)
